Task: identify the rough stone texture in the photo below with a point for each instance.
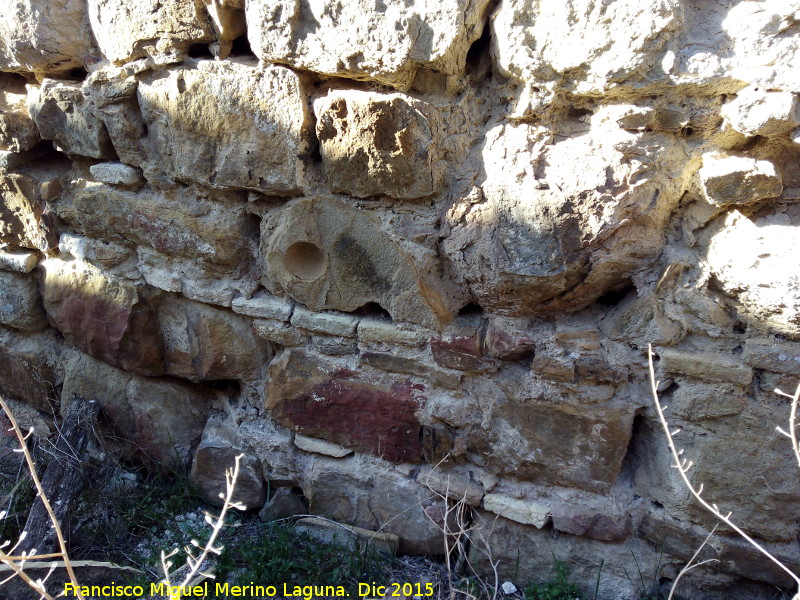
(351, 537)
(102, 316)
(19, 303)
(203, 342)
(162, 29)
(24, 219)
(64, 115)
(45, 36)
(519, 214)
(358, 40)
(328, 255)
(379, 144)
(232, 124)
(316, 398)
(18, 132)
(215, 455)
(161, 418)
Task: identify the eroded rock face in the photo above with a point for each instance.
(153, 28)
(45, 36)
(24, 219)
(353, 39)
(232, 124)
(19, 302)
(379, 144)
(18, 132)
(325, 400)
(327, 254)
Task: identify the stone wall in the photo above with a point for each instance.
(394, 250)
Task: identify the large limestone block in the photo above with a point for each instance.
(160, 419)
(158, 28)
(758, 112)
(204, 342)
(559, 222)
(366, 492)
(738, 180)
(378, 144)
(327, 254)
(64, 115)
(560, 444)
(386, 41)
(228, 124)
(583, 46)
(323, 399)
(19, 302)
(24, 220)
(175, 222)
(45, 35)
(754, 262)
(103, 316)
(32, 368)
(18, 132)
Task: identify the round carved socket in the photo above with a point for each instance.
(305, 261)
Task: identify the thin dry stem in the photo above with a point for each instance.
(792, 433)
(691, 564)
(683, 466)
(46, 503)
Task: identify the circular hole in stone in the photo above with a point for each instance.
(305, 261)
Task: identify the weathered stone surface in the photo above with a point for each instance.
(18, 261)
(567, 445)
(328, 255)
(162, 29)
(710, 367)
(278, 332)
(18, 132)
(526, 510)
(357, 40)
(284, 504)
(462, 352)
(750, 261)
(204, 342)
(45, 36)
(360, 491)
(323, 322)
(64, 115)
(758, 112)
(378, 144)
(772, 355)
(161, 418)
(605, 522)
(375, 330)
(228, 125)
(452, 485)
(553, 237)
(310, 444)
(738, 180)
(103, 316)
(398, 364)
(349, 536)
(215, 455)
(24, 219)
(508, 339)
(324, 400)
(114, 173)
(175, 223)
(32, 368)
(20, 306)
(263, 306)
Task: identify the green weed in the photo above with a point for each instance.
(559, 588)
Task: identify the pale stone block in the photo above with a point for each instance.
(263, 306)
(528, 512)
(116, 173)
(325, 322)
(374, 330)
(310, 444)
(706, 366)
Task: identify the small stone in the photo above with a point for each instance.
(116, 173)
(706, 366)
(528, 512)
(374, 330)
(19, 261)
(278, 332)
(508, 588)
(738, 180)
(772, 355)
(310, 444)
(325, 322)
(355, 538)
(756, 111)
(284, 504)
(20, 307)
(264, 306)
(398, 364)
(334, 345)
(452, 485)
